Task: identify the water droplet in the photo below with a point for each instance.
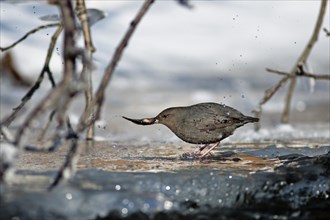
(145, 207)
(220, 200)
(68, 196)
(117, 187)
(243, 96)
(167, 188)
(211, 173)
(230, 177)
(301, 106)
(125, 201)
(124, 211)
(168, 205)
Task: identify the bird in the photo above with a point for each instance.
(204, 123)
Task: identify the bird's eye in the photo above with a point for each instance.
(164, 116)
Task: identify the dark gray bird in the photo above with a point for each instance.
(204, 123)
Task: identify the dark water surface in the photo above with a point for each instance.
(239, 181)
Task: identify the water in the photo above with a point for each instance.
(293, 179)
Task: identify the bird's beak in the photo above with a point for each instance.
(144, 121)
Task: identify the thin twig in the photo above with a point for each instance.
(68, 168)
(268, 95)
(49, 102)
(37, 84)
(86, 73)
(46, 126)
(302, 61)
(27, 34)
(296, 71)
(327, 32)
(82, 15)
(93, 113)
(60, 97)
(305, 74)
(70, 81)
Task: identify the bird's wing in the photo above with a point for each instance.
(208, 121)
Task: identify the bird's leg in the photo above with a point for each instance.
(209, 150)
(201, 148)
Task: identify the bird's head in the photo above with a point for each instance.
(167, 117)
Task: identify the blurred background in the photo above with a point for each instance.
(216, 51)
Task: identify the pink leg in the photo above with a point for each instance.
(201, 148)
(209, 150)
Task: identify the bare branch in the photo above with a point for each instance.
(29, 33)
(83, 17)
(46, 126)
(296, 71)
(302, 60)
(60, 97)
(327, 32)
(37, 84)
(93, 113)
(68, 168)
(305, 74)
(71, 87)
(268, 95)
(86, 71)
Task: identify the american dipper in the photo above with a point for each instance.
(203, 123)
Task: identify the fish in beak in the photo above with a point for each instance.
(143, 121)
